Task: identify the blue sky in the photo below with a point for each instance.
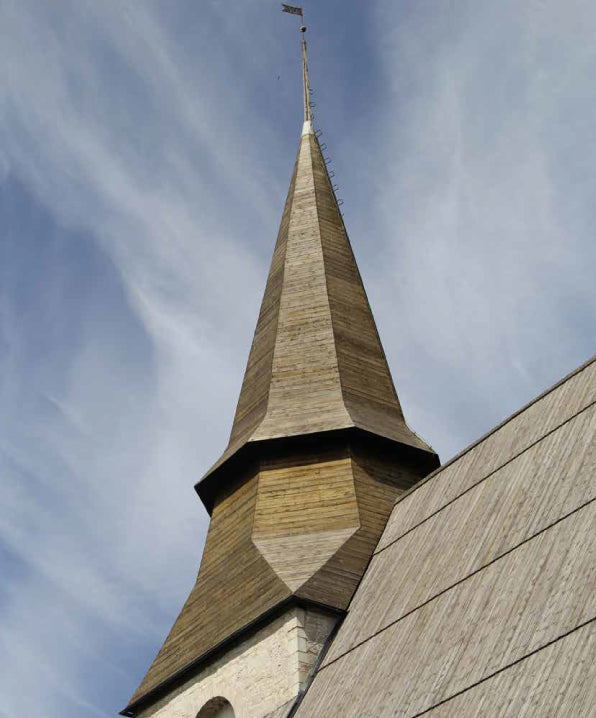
(145, 153)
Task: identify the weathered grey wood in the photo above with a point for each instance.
(499, 447)
(282, 711)
(544, 484)
(557, 682)
(516, 605)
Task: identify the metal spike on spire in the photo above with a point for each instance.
(308, 128)
(307, 109)
(316, 363)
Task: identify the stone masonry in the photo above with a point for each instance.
(260, 675)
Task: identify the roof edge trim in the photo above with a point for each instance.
(217, 479)
(496, 428)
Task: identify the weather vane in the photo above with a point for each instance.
(298, 11)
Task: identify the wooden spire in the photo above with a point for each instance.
(319, 448)
(316, 363)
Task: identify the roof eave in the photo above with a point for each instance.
(184, 673)
(232, 469)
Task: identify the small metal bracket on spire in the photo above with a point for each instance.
(307, 128)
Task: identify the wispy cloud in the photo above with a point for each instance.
(146, 150)
(116, 144)
(487, 204)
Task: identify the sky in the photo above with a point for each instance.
(145, 152)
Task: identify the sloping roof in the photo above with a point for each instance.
(481, 596)
(316, 362)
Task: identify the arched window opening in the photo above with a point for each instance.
(217, 708)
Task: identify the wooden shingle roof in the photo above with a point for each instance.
(297, 517)
(480, 599)
(316, 363)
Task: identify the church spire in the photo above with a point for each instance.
(318, 453)
(316, 363)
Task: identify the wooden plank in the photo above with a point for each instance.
(234, 586)
(316, 364)
(316, 361)
(540, 487)
(559, 680)
(306, 524)
(514, 437)
(376, 485)
(520, 603)
(254, 394)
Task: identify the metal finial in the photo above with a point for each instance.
(307, 109)
(307, 106)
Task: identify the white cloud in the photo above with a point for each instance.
(154, 143)
(485, 259)
(103, 464)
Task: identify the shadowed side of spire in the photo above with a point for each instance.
(254, 395)
(367, 387)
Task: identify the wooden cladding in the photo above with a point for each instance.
(304, 524)
(316, 363)
(300, 521)
(480, 598)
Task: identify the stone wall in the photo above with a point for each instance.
(259, 675)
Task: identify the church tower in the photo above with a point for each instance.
(318, 453)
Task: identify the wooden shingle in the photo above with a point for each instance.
(480, 598)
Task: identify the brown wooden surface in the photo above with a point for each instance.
(304, 514)
(304, 524)
(492, 582)
(376, 485)
(316, 361)
(254, 395)
(235, 585)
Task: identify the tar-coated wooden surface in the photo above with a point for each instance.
(376, 485)
(303, 516)
(316, 361)
(481, 597)
(235, 585)
(305, 525)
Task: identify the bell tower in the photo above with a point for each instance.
(318, 453)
